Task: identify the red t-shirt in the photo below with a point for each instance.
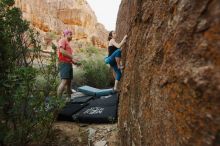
(66, 46)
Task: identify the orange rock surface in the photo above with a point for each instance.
(57, 15)
(170, 89)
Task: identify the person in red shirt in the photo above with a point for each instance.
(65, 55)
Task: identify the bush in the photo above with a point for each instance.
(78, 77)
(26, 112)
(96, 73)
(93, 71)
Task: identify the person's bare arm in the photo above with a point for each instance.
(120, 44)
(65, 53)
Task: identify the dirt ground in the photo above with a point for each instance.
(76, 134)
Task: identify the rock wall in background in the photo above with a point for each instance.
(170, 90)
(57, 15)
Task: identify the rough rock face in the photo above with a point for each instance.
(57, 15)
(171, 81)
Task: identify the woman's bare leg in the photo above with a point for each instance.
(113, 72)
(118, 60)
(116, 85)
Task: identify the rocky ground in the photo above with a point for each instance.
(75, 134)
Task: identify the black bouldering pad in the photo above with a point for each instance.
(70, 109)
(81, 99)
(96, 114)
(109, 100)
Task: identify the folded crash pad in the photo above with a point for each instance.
(94, 91)
(104, 92)
(88, 90)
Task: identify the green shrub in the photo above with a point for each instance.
(93, 70)
(96, 73)
(78, 77)
(26, 112)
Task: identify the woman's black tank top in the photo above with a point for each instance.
(111, 49)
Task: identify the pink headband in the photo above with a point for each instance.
(66, 32)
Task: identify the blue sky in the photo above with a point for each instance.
(106, 12)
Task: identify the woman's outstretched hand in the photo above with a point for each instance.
(124, 39)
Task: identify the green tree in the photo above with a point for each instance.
(26, 112)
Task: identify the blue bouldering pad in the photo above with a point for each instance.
(94, 91)
(88, 90)
(104, 92)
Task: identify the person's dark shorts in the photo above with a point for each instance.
(66, 70)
